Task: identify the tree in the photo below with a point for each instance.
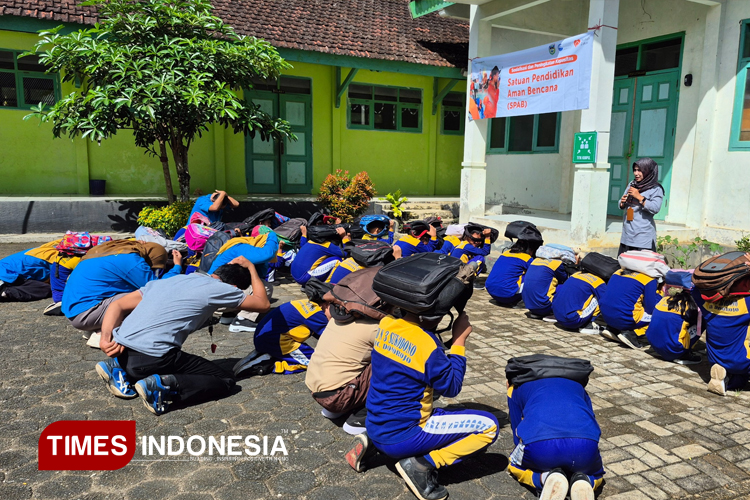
(165, 69)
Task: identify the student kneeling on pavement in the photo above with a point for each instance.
(24, 276)
(280, 336)
(143, 333)
(409, 366)
(554, 427)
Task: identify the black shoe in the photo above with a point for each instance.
(555, 486)
(688, 358)
(243, 325)
(355, 424)
(54, 309)
(630, 339)
(254, 363)
(580, 487)
(422, 482)
(361, 450)
(227, 318)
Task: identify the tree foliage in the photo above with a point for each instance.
(346, 197)
(165, 69)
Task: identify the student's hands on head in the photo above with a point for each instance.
(303, 230)
(391, 224)
(341, 231)
(242, 261)
(433, 231)
(461, 329)
(177, 258)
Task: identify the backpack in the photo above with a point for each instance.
(321, 234)
(77, 244)
(319, 218)
(372, 253)
(353, 297)
(257, 217)
(645, 262)
(479, 228)
(550, 252)
(368, 219)
(522, 230)
(539, 366)
(290, 230)
(723, 276)
(416, 226)
(599, 265)
(679, 278)
(212, 247)
(196, 236)
(414, 283)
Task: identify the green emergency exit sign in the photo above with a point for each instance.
(584, 147)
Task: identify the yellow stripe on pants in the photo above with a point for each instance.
(524, 476)
(463, 447)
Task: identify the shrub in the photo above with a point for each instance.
(346, 197)
(743, 244)
(396, 200)
(169, 219)
(679, 255)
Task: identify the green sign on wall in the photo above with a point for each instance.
(584, 147)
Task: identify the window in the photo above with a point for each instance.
(23, 82)
(657, 55)
(385, 108)
(453, 114)
(740, 137)
(524, 134)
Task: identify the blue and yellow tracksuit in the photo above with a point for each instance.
(469, 253)
(283, 331)
(31, 264)
(410, 245)
(342, 269)
(315, 260)
(669, 334)
(257, 249)
(388, 238)
(553, 426)
(59, 273)
(505, 281)
(727, 330)
(577, 300)
(630, 301)
(408, 367)
(449, 243)
(540, 284)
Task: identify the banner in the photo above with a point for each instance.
(545, 79)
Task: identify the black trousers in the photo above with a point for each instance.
(198, 379)
(23, 290)
(625, 248)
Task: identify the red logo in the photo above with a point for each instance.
(577, 42)
(87, 445)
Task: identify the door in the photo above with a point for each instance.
(644, 118)
(282, 167)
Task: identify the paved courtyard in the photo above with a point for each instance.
(663, 435)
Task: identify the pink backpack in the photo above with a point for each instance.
(196, 236)
(74, 243)
(199, 218)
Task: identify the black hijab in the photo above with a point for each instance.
(650, 171)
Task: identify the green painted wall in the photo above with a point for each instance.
(425, 163)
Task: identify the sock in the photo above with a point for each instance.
(423, 464)
(544, 476)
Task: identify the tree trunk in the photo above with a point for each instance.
(179, 151)
(167, 176)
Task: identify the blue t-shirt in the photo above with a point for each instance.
(342, 270)
(577, 300)
(669, 334)
(410, 245)
(630, 299)
(311, 255)
(297, 319)
(506, 277)
(94, 280)
(256, 255)
(202, 206)
(25, 266)
(727, 325)
(551, 408)
(540, 283)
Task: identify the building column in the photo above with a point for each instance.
(705, 119)
(473, 167)
(588, 219)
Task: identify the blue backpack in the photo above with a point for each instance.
(369, 219)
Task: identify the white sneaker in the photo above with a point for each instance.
(550, 319)
(582, 490)
(555, 487)
(331, 415)
(591, 328)
(716, 384)
(607, 334)
(94, 339)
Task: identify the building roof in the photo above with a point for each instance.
(377, 29)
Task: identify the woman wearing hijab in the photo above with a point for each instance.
(641, 201)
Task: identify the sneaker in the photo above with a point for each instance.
(227, 318)
(86, 335)
(555, 486)
(534, 316)
(361, 449)
(631, 340)
(331, 415)
(423, 483)
(608, 334)
(355, 424)
(688, 358)
(254, 364)
(519, 305)
(54, 309)
(591, 328)
(718, 376)
(581, 488)
(550, 319)
(94, 339)
(243, 325)
(478, 286)
(116, 379)
(155, 395)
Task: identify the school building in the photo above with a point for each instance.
(669, 80)
(371, 89)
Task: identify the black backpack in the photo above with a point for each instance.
(213, 244)
(472, 227)
(539, 366)
(257, 217)
(522, 230)
(291, 229)
(322, 234)
(414, 283)
(599, 265)
(372, 253)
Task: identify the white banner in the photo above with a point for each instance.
(545, 79)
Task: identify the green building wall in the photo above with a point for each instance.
(425, 163)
